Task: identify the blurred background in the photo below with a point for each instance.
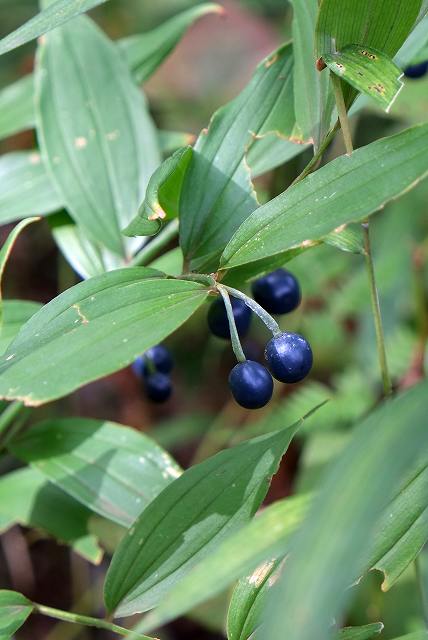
(211, 65)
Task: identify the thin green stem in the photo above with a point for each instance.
(313, 164)
(343, 113)
(151, 250)
(374, 296)
(9, 414)
(264, 316)
(380, 338)
(203, 278)
(75, 618)
(236, 343)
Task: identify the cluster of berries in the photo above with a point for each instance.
(153, 368)
(417, 70)
(288, 355)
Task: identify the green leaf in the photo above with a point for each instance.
(96, 136)
(93, 329)
(349, 239)
(53, 16)
(248, 597)
(344, 191)
(360, 633)
(87, 258)
(171, 141)
(27, 499)
(163, 193)
(217, 193)
(395, 547)
(6, 250)
(145, 52)
(270, 152)
(312, 94)
(369, 71)
(418, 635)
(263, 538)
(14, 610)
(15, 314)
(27, 190)
(381, 24)
(110, 469)
(189, 519)
(16, 107)
(414, 50)
(328, 551)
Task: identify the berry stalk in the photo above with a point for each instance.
(264, 316)
(236, 343)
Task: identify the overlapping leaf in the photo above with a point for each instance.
(26, 498)
(27, 190)
(369, 71)
(15, 314)
(328, 551)
(57, 13)
(110, 469)
(344, 191)
(189, 519)
(312, 94)
(217, 193)
(93, 329)
(96, 136)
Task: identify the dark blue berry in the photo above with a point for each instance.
(251, 384)
(158, 387)
(278, 292)
(219, 323)
(158, 356)
(416, 70)
(289, 357)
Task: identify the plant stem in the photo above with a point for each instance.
(342, 112)
(150, 250)
(380, 338)
(236, 343)
(264, 316)
(374, 296)
(9, 414)
(319, 154)
(86, 621)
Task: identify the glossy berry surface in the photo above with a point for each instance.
(159, 356)
(289, 357)
(417, 70)
(158, 387)
(219, 323)
(278, 292)
(251, 384)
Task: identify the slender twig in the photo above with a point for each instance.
(151, 249)
(86, 621)
(343, 113)
(236, 343)
(314, 162)
(374, 296)
(264, 316)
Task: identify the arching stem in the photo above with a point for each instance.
(264, 316)
(236, 343)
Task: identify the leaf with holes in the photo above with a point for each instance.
(369, 71)
(110, 469)
(96, 136)
(93, 329)
(189, 519)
